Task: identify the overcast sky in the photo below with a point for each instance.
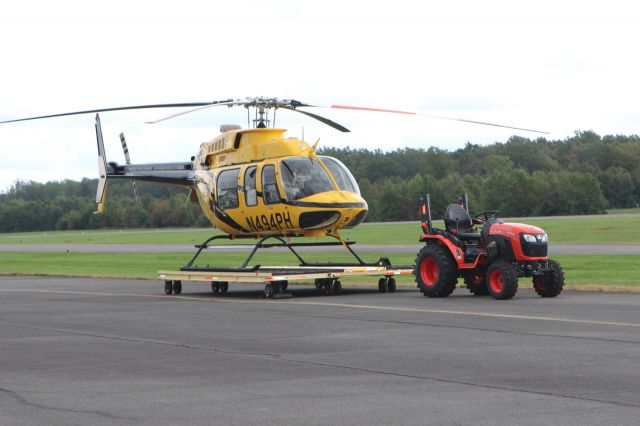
(558, 66)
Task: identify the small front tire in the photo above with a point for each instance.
(550, 284)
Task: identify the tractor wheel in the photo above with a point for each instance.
(436, 271)
(550, 285)
(502, 280)
(476, 284)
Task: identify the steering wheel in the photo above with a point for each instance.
(488, 214)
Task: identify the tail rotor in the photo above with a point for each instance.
(128, 160)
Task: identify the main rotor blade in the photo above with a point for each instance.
(124, 108)
(320, 118)
(228, 102)
(440, 117)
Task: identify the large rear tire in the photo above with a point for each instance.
(502, 280)
(550, 285)
(436, 271)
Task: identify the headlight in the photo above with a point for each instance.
(535, 238)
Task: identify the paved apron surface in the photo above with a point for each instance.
(83, 351)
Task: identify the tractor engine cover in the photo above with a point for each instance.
(527, 242)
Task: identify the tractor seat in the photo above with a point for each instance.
(458, 222)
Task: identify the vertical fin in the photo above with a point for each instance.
(101, 194)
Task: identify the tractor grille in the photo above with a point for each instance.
(533, 249)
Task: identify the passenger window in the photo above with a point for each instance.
(228, 189)
(269, 185)
(251, 198)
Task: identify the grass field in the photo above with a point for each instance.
(584, 272)
(578, 230)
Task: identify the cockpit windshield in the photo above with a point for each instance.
(302, 177)
(341, 174)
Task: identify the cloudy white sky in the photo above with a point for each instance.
(558, 66)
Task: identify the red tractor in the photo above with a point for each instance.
(490, 259)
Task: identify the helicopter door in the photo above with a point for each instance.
(250, 193)
(270, 193)
(228, 189)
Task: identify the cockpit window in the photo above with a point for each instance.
(303, 176)
(341, 174)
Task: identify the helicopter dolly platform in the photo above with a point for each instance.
(276, 279)
(326, 276)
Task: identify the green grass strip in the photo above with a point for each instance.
(582, 272)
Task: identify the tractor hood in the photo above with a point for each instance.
(511, 230)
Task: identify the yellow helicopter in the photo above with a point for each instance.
(250, 182)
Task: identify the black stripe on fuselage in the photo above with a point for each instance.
(326, 205)
(227, 220)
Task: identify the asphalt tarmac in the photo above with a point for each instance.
(120, 352)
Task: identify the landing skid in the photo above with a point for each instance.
(276, 278)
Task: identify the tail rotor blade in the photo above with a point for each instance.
(128, 161)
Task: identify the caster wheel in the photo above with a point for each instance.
(382, 285)
(391, 285)
(269, 291)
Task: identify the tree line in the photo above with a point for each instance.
(583, 174)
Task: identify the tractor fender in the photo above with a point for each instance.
(456, 252)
